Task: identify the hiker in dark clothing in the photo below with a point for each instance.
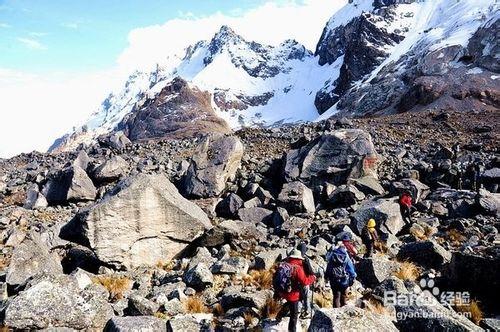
(370, 237)
(288, 280)
(478, 170)
(341, 274)
(456, 151)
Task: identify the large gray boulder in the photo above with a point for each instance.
(199, 277)
(143, 221)
(232, 297)
(345, 195)
(426, 253)
(110, 170)
(229, 206)
(71, 184)
(255, 215)
(32, 258)
(34, 199)
(212, 165)
(372, 271)
(190, 322)
(59, 302)
(350, 319)
(333, 157)
(386, 213)
(135, 324)
(296, 197)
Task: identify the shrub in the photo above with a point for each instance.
(323, 300)
(455, 236)
(472, 309)
(262, 279)
(271, 309)
(116, 285)
(194, 305)
(408, 271)
(377, 307)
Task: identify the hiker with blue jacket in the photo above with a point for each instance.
(340, 272)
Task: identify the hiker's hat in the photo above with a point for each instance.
(296, 254)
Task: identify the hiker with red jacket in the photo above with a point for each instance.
(288, 280)
(405, 206)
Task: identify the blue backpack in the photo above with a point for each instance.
(336, 269)
(284, 278)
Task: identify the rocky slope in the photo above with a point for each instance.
(183, 234)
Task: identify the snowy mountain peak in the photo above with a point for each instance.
(373, 57)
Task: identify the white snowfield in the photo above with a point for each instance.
(429, 25)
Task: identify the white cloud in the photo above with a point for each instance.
(32, 44)
(270, 23)
(73, 26)
(38, 109)
(4, 25)
(38, 34)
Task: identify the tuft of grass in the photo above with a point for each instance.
(271, 309)
(472, 310)
(161, 315)
(218, 310)
(4, 263)
(248, 318)
(455, 237)
(16, 198)
(408, 271)
(261, 279)
(116, 285)
(323, 300)
(377, 307)
(166, 266)
(194, 305)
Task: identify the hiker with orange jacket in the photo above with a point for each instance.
(288, 280)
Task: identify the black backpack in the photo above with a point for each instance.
(284, 276)
(336, 269)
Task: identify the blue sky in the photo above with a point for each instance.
(60, 59)
(70, 35)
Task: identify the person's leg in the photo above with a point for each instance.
(369, 250)
(294, 316)
(343, 297)
(306, 300)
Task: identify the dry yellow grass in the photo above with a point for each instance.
(271, 309)
(116, 285)
(262, 279)
(248, 318)
(408, 271)
(218, 310)
(455, 236)
(377, 307)
(161, 315)
(4, 263)
(194, 305)
(167, 266)
(16, 198)
(219, 282)
(323, 300)
(472, 310)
